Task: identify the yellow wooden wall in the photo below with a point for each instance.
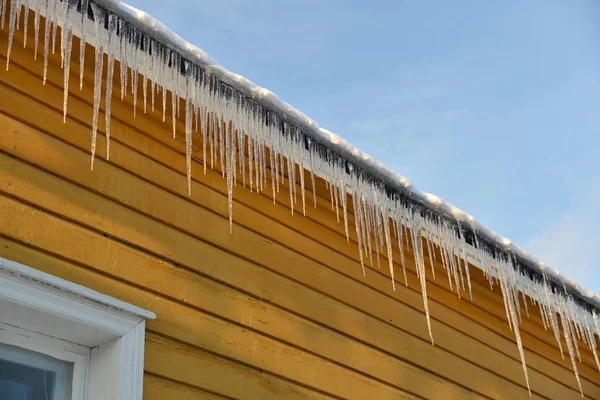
(278, 309)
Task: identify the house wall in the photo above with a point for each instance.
(279, 308)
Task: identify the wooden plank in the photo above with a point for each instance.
(173, 359)
(500, 311)
(195, 367)
(158, 388)
(86, 247)
(203, 330)
(476, 354)
(511, 352)
(466, 371)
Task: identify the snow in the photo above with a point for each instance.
(233, 114)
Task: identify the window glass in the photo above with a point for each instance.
(26, 375)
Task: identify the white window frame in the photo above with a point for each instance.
(103, 336)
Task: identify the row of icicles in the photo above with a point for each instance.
(243, 136)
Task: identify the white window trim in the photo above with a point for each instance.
(113, 329)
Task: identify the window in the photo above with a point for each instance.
(61, 341)
(25, 374)
(36, 366)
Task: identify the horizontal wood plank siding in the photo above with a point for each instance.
(279, 308)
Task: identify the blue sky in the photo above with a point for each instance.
(493, 106)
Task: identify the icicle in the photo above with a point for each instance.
(47, 25)
(368, 231)
(222, 131)
(55, 25)
(544, 316)
(84, 14)
(593, 324)
(242, 131)
(290, 166)
(164, 104)
(153, 92)
(524, 302)
(112, 20)
(357, 217)
(311, 150)
(420, 264)
(281, 168)
(294, 162)
(211, 136)
(145, 92)
(12, 20)
(335, 194)
(18, 9)
(378, 238)
(134, 70)
(124, 59)
(99, 19)
(3, 7)
(466, 263)
(448, 266)
(388, 241)
(429, 251)
(594, 348)
(174, 97)
(36, 29)
(276, 172)
(67, 68)
(401, 247)
(303, 189)
(509, 303)
(228, 150)
(205, 125)
(25, 23)
(189, 115)
(552, 315)
(64, 32)
(568, 337)
(67, 33)
(460, 270)
(188, 143)
(251, 166)
(573, 335)
(261, 153)
(176, 83)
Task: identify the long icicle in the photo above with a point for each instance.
(12, 21)
(84, 14)
(67, 35)
(36, 29)
(47, 25)
(26, 23)
(99, 19)
(112, 22)
(3, 7)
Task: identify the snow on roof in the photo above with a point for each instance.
(235, 114)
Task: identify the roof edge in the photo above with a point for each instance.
(166, 36)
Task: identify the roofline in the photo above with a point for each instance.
(343, 148)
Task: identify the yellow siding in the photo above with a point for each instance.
(277, 309)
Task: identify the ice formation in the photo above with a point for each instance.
(241, 124)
